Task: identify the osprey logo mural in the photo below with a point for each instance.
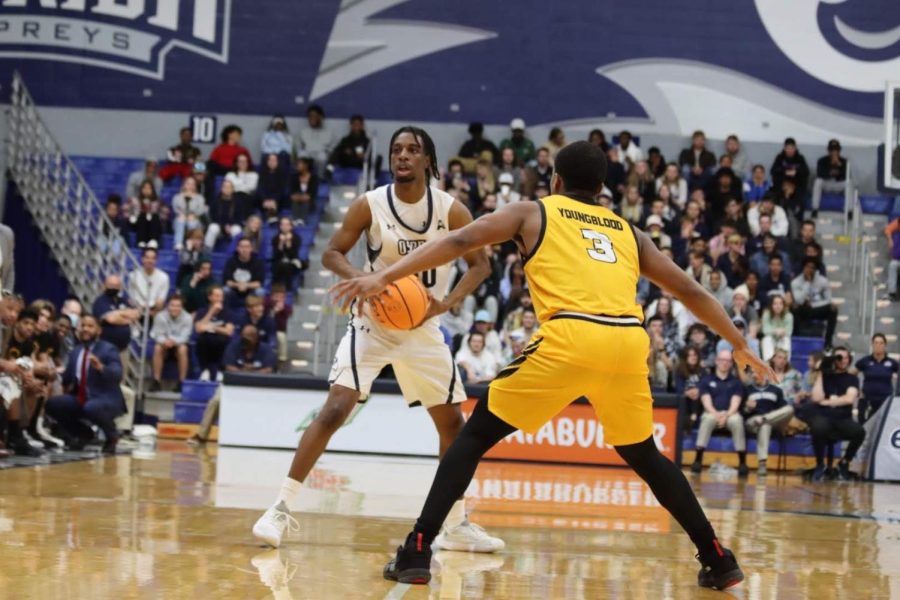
(816, 68)
(125, 36)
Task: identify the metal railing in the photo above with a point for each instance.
(331, 321)
(862, 271)
(83, 241)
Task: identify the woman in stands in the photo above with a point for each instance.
(190, 211)
(757, 186)
(286, 254)
(632, 207)
(777, 327)
(278, 140)
(145, 221)
(223, 156)
(641, 177)
(304, 190)
(688, 374)
(253, 232)
(227, 211)
(245, 182)
(789, 379)
(272, 188)
(191, 256)
(673, 180)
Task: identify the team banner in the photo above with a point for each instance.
(880, 453)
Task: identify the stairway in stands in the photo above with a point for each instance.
(852, 331)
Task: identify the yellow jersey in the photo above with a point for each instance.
(586, 261)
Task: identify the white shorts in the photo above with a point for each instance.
(422, 362)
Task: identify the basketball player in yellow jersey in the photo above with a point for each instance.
(582, 263)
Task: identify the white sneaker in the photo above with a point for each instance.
(273, 572)
(270, 527)
(220, 376)
(467, 537)
(204, 375)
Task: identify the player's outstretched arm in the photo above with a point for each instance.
(497, 227)
(357, 220)
(658, 268)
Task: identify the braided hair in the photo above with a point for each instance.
(432, 171)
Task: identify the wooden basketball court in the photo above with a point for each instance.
(177, 525)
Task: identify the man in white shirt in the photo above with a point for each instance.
(507, 195)
(629, 152)
(780, 223)
(316, 141)
(529, 326)
(171, 334)
(148, 286)
(479, 364)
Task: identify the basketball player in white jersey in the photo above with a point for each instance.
(395, 219)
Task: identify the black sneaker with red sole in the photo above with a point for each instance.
(720, 571)
(412, 563)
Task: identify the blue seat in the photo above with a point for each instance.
(877, 205)
(799, 362)
(806, 345)
(345, 176)
(199, 392)
(189, 412)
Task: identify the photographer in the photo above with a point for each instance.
(833, 395)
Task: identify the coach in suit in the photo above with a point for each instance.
(91, 379)
(7, 261)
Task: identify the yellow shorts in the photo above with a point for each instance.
(572, 356)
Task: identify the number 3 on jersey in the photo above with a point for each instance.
(428, 278)
(602, 249)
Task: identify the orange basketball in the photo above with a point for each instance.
(402, 305)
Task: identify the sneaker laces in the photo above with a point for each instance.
(290, 522)
(478, 529)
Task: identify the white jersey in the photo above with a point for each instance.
(398, 228)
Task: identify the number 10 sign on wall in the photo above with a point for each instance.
(204, 129)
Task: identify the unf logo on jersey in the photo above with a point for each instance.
(404, 247)
(124, 35)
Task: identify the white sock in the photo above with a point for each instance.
(457, 515)
(289, 490)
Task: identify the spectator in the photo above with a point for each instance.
(224, 156)
(640, 176)
(485, 182)
(687, 377)
(812, 299)
(777, 327)
(632, 208)
(45, 340)
(798, 246)
(286, 262)
(513, 282)
(733, 264)
(629, 152)
(759, 262)
(244, 274)
(765, 409)
(776, 282)
(351, 150)
(248, 354)
(697, 162)
(740, 164)
(457, 184)
(509, 167)
(790, 165)
(659, 361)
(718, 245)
(114, 225)
(244, 180)
(146, 221)
(278, 140)
(789, 379)
(654, 227)
(538, 173)
(677, 185)
(757, 186)
(698, 337)
(529, 325)
(214, 326)
(304, 190)
(484, 324)
(457, 321)
(734, 212)
(657, 162)
(474, 148)
(315, 140)
(148, 286)
(741, 307)
(721, 394)
(694, 214)
(277, 306)
(752, 284)
(272, 188)
(62, 328)
(789, 197)
(749, 334)
(116, 317)
(230, 210)
(190, 211)
(831, 175)
(190, 256)
(755, 243)
(767, 206)
(879, 373)
(195, 289)
(556, 141)
(521, 146)
(723, 187)
(615, 174)
(676, 320)
(181, 158)
(506, 194)
(171, 334)
(892, 233)
(834, 393)
(255, 314)
(486, 294)
(478, 364)
(136, 180)
(91, 384)
(598, 138)
(253, 231)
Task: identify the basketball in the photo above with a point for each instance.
(402, 305)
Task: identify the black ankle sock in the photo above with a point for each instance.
(742, 458)
(699, 455)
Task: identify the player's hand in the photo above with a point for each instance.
(745, 357)
(358, 288)
(435, 307)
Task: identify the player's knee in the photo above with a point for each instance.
(641, 455)
(331, 417)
